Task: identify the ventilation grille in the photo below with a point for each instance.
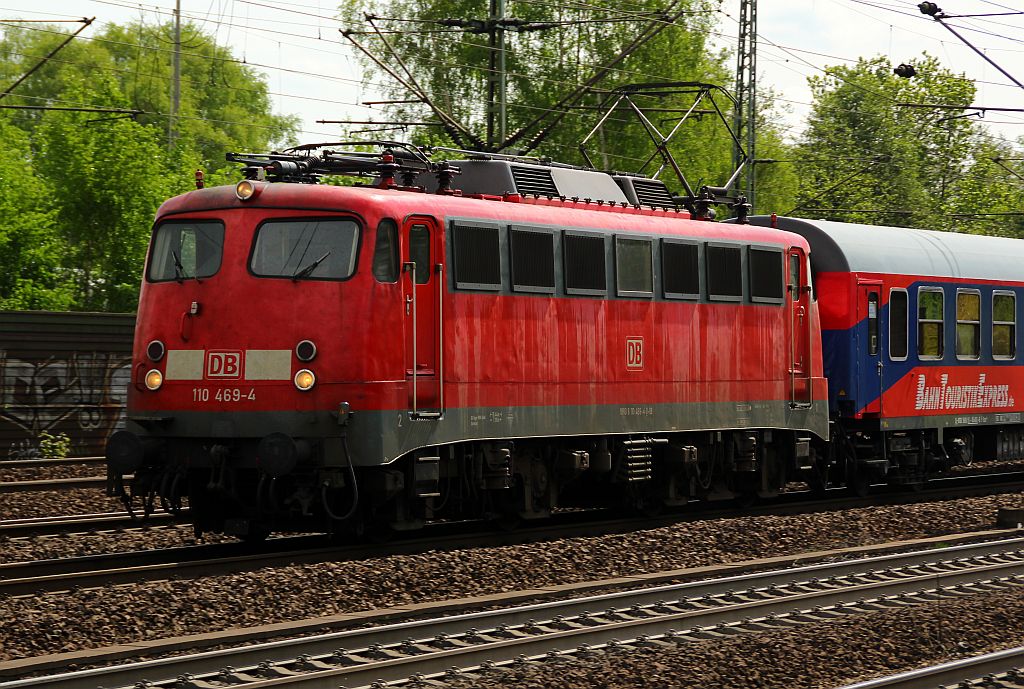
(765, 274)
(477, 259)
(652, 192)
(533, 261)
(534, 181)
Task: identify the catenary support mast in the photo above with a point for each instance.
(746, 96)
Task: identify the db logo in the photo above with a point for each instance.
(635, 353)
(223, 364)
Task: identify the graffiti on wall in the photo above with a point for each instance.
(81, 396)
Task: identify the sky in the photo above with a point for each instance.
(312, 71)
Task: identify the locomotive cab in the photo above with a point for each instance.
(248, 319)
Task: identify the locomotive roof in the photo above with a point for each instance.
(851, 247)
(376, 202)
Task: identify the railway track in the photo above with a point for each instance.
(482, 642)
(83, 523)
(58, 484)
(31, 577)
(44, 462)
(1000, 670)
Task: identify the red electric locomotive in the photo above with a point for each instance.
(310, 356)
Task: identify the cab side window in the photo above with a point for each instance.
(385, 252)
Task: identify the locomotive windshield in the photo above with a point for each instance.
(316, 249)
(186, 250)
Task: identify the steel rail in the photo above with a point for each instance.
(41, 462)
(22, 578)
(669, 614)
(957, 673)
(82, 523)
(58, 484)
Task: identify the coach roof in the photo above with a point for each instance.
(847, 247)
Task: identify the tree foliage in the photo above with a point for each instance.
(866, 158)
(81, 188)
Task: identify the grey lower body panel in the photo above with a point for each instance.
(380, 437)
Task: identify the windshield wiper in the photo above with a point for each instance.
(310, 268)
(179, 270)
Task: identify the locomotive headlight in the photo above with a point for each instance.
(305, 350)
(304, 379)
(155, 350)
(246, 189)
(154, 379)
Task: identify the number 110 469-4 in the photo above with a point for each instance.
(223, 395)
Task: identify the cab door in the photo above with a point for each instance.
(422, 281)
(799, 304)
(868, 347)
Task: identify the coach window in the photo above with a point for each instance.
(584, 256)
(634, 267)
(385, 253)
(724, 272)
(898, 330)
(1004, 325)
(968, 324)
(533, 260)
(477, 257)
(766, 275)
(929, 323)
(680, 269)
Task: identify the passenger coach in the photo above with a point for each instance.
(922, 351)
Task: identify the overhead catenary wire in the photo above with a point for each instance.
(366, 83)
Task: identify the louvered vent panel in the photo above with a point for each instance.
(533, 181)
(652, 192)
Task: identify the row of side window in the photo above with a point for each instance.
(477, 254)
(931, 324)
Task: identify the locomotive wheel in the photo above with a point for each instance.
(745, 499)
(507, 522)
(257, 534)
(860, 484)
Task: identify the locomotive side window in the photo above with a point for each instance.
(477, 257)
(929, 323)
(766, 275)
(385, 253)
(724, 272)
(898, 331)
(186, 250)
(634, 267)
(584, 264)
(314, 249)
(533, 261)
(1004, 325)
(680, 269)
(419, 252)
(968, 324)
